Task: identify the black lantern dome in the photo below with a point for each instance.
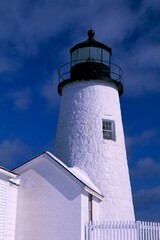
(90, 60)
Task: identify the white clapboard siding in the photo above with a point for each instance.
(123, 231)
(11, 213)
(3, 205)
(8, 205)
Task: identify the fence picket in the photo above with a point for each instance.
(110, 230)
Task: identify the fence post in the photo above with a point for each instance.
(138, 223)
(110, 230)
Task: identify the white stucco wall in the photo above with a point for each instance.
(80, 142)
(8, 207)
(49, 204)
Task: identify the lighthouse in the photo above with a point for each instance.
(90, 133)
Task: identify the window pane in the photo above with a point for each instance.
(105, 57)
(108, 129)
(83, 54)
(107, 135)
(95, 54)
(107, 125)
(74, 58)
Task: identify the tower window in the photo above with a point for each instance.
(108, 129)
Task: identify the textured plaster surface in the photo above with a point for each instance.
(80, 143)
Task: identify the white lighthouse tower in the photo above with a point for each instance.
(90, 131)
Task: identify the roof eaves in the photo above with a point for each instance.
(8, 173)
(30, 160)
(86, 186)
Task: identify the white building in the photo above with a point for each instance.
(56, 197)
(53, 200)
(9, 183)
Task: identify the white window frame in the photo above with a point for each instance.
(108, 128)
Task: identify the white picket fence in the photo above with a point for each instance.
(123, 231)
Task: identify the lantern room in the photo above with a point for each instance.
(90, 50)
(90, 60)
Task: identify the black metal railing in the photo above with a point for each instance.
(114, 70)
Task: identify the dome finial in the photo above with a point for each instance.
(91, 34)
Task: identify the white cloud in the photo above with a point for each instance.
(29, 23)
(142, 139)
(146, 202)
(147, 55)
(25, 25)
(146, 169)
(49, 92)
(21, 98)
(140, 67)
(151, 4)
(147, 197)
(115, 22)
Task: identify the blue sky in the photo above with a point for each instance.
(35, 38)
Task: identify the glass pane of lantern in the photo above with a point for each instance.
(83, 54)
(74, 58)
(105, 55)
(95, 54)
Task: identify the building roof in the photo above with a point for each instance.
(91, 42)
(8, 173)
(75, 172)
